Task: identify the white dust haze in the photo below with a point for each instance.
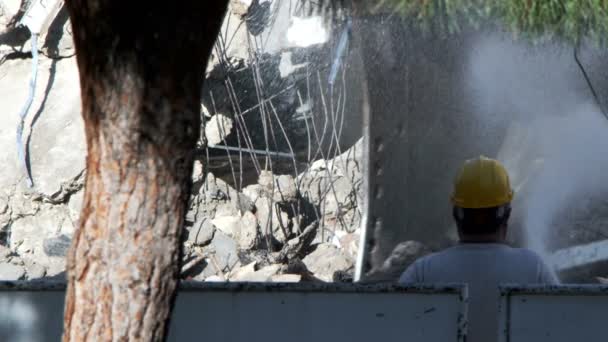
(556, 147)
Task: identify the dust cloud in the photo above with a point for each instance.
(556, 135)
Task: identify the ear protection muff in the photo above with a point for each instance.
(458, 214)
(502, 214)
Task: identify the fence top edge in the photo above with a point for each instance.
(554, 290)
(189, 286)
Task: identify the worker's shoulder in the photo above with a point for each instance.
(434, 256)
(526, 254)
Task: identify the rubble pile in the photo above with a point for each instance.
(281, 225)
(280, 229)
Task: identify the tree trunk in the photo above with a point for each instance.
(141, 71)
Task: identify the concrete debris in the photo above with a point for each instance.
(205, 111)
(326, 260)
(226, 209)
(11, 272)
(240, 7)
(223, 223)
(229, 225)
(286, 66)
(285, 189)
(224, 253)
(75, 206)
(191, 264)
(43, 237)
(243, 229)
(247, 235)
(197, 172)
(242, 203)
(201, 233)
(5, 213)
(404, 254)
(34, 270)
(215, 278)
(56, 246)
(273, 222)
(266, 179)
(5, 253)
(217, 129)
(242, 272)
(338, 197)
(296, 247)
(297, 266)
(57, 146)
(248, 273)
(348, 242)
(286, 278)
(253, 192)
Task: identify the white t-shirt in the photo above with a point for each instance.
(483, 267)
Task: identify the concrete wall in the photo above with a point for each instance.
(436, 101)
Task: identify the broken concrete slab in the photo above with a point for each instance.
(11, 272)
(326, 260)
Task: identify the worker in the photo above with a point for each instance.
(482, 259)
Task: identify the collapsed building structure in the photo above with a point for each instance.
(285, 113)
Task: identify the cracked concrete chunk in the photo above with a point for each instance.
(201, 232)
(262, 275)
(56, 246)
(272, 221)
(242, 272)
(224, 251)
(5, 252)
(285, 189)
(326, 260)
(227, 224)
(286, 278)
(248, 231)
(28, 234)
(11, 272)
(34, 270)
(197, 172)
(217, 129)
(75, 205)
(23, 205)
(5, 213)
(253, 192)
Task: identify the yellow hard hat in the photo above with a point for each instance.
(482, 183)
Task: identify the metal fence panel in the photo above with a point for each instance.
(263, 312)
(553, 313)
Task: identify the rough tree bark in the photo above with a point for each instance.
(141, 70)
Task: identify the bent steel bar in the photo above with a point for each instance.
(243, 312)
(25, 108)
(553, 313)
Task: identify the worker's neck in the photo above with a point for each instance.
(499, 236)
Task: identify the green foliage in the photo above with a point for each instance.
(571, 20)
(567, 19)
(440, 16)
